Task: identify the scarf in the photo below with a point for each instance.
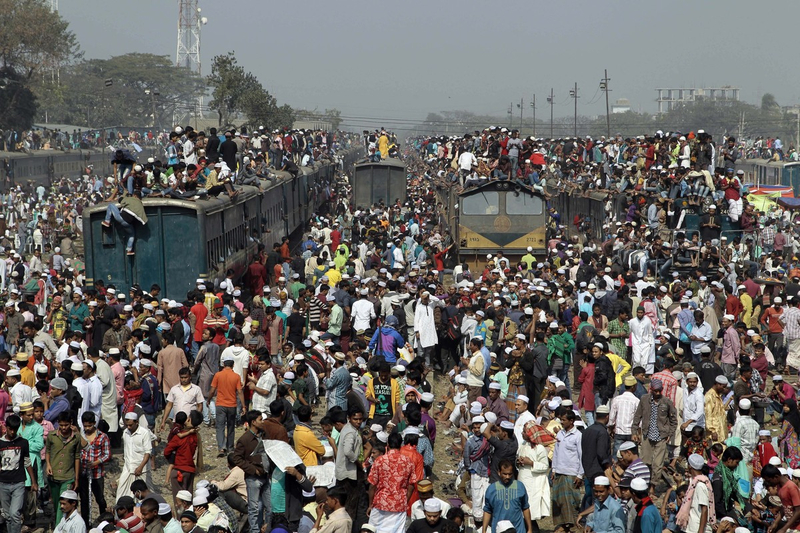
(729, 485)
(131, 398)
(682, 518)
(482, 450)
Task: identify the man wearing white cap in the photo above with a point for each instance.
(642, 341)
(432, 519)
(731, 346)
(608, 515)
(425, 326)
(71, 519)
(699, 499)
(716, 422)
(523, 417)
(746, 429)
(137, 443)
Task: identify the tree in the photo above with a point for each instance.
(80, 96)
(237, 91)
(16, 100)
(33, 37)
(334, 116)
(768, 102)
(230, 83)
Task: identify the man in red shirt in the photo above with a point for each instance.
(789, 495)
(197, 320)
(392, 481)
(256, 276)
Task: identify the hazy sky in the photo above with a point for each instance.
(377, 61)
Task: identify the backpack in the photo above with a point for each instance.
(453, 327)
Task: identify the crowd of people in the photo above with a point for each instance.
(571, 390)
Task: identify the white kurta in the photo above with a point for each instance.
(135, 446)
(424, 323)
(535, 479)
(109, 408)
(642, 343)
(519, 425)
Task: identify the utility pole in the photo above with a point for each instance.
(107, 83)
(510, 114)
(551, 101)
(605, 89)
(521, 107)
(574, 94)
(797, 138)
(741, 127)
(533, 106)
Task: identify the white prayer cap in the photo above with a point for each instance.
(602, 481)
(696, 461)
(432, 505)
(744, 404)
(775, 461)
(131, 416)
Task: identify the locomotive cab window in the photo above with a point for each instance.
(483, 203)
(523, 204)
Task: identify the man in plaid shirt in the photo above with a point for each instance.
(94, 455)
(790, 320)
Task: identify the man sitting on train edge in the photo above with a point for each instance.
(129, 212)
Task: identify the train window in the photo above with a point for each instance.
(523, 204)
(483, 203)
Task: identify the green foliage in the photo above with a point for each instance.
(238, 91)
(332, 116)
(79, 95)
(33, 38)
(16, 100)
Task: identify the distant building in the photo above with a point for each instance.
(670, 98)
(622, 105)
(312, 125)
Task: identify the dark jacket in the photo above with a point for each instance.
(595, 450)
(667, 417)
(243, 455)
(604, 378)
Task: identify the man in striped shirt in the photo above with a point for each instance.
(636, 467)
(621, 416)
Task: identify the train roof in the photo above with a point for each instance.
(391, 162)
(500, 185)
(214, 204)
(767, 162)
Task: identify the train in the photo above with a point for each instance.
(760, 172)
(43, 169)
(495, 216)
(184, 240)
(376, 182)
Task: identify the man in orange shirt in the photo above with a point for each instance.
(409, 450)
(227, 387)
(771, 319)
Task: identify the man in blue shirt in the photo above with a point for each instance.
(608, 516)
(648, 519)
(386, 340)
(507, 499)
(58, 402)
